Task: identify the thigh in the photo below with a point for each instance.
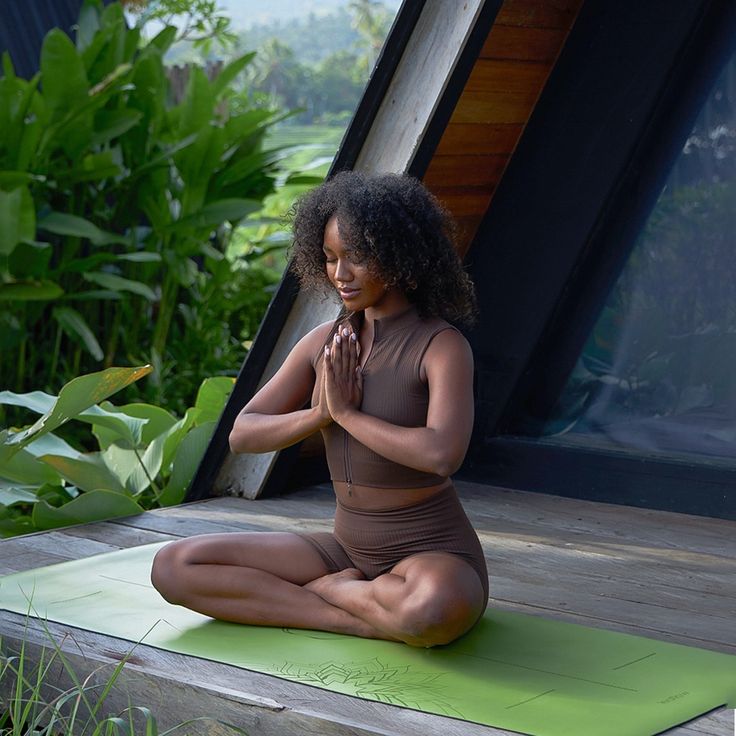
(283, 554)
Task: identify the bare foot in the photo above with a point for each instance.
(326, 586)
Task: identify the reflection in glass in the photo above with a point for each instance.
(658, 373)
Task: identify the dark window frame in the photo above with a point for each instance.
(578, 291)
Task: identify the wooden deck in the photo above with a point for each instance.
(657, 574)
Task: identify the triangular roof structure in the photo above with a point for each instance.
(547, 128)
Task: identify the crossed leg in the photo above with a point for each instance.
(279, 579)
(427, 599)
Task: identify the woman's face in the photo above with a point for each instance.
(358, 286)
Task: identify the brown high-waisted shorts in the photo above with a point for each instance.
(374, 541)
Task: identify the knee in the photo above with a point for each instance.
(168, 569)
(431, 617)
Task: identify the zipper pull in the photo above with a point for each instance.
(350, 488)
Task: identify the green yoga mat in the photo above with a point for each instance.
(513, 671)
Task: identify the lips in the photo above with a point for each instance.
(348, 293)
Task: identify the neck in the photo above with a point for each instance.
(392, 303)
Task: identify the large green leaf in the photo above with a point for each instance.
(211, 398)
(135, 469)
(78, 395)
(63, 75)
(189, 455)
(110, 124)
(12, 493)
(65, 91)
(157, 421)
(63, 224)
(77, 328)
(30, 291)
(215, 213)
(117, 423)
(88, 507)
(17, 218)
(24, 468)
(118, 283)
(228, 73)
(88, 472)
(35, 401)
(51, 444)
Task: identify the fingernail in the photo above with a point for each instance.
(345, 331)
(327, 350)
(337, 339)
(353, 337)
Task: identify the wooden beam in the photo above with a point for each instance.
(418, 84)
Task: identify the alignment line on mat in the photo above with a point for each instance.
(634, 661)
(529, 700)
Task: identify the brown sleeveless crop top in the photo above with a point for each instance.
(392, 390)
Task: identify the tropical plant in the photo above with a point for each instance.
(147, 457)
(115, 202)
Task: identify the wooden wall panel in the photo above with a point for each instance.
(495, 105)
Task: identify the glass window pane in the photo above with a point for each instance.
(658, 372)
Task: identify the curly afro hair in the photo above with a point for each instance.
(394, 225)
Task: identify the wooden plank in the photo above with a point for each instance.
(501, 92)
(465, 171)
(463, 201)
(426, 66)
(523, 43)
(532, 13)
(660, 529)
(122, 535)
(479, 138)
(718, 723)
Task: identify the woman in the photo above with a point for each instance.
(391, 391)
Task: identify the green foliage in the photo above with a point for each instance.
(146, 457)
(116, 208)
(202, 23)
(46, 696)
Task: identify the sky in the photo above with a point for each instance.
(245, 13)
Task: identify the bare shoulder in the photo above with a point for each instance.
(310, 344)
(449, 340)
(448, 349)
(317, 336)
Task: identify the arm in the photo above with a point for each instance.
(440, 446)
(274, 417)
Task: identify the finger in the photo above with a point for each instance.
(359, 378)
(353, 353)
(328, 363)
(336, 354)
(345, 345)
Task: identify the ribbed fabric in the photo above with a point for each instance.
(375, 541)
(392, 390)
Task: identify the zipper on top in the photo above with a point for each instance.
(346, 462)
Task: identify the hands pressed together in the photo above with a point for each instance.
(342, 379)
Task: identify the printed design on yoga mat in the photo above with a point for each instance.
(374, 680)
(514, 671)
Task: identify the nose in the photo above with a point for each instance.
(343, 273)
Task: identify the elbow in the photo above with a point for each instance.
(446, 465)
(238, 437)
(234, 441)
